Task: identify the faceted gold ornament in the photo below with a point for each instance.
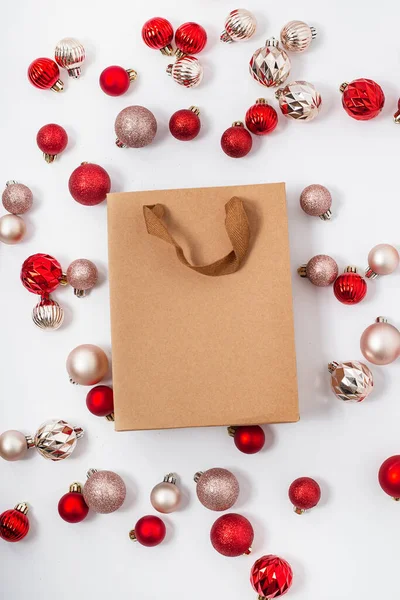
(270, 65)
(299, 100)
(56, 439)
(351, 381)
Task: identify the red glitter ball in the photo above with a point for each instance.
(41, 274)
(114, 81)
(363, 99)
(100, 401)
(184, 124)
(271, 576)
(350, 288)
(304, 493)
(43, 73)
(150, 531)
(72, 507)
(52, 139)
(232, 535)
(236, 141)
(89, 184)
(249, 438)
(261, 118)
(14, 525)
(157, 33)
(389, 476)
(190, 38)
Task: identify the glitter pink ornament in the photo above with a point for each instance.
(135, 127)
(82, 275)
(316, 201)
(17, 198)
(321, 270)
(217, 489)
(104, 491)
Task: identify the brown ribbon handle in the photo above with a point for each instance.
(237, 228)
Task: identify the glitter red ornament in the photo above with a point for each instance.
(389, 476)
(72, 507)
(190, 38)
(100, 402)
(157, 33)
(44, 74)
(350, 287)
(41, 274)
(52, 139)
(185, 124)
(249, 439)
(271, 576)
(362, 99)
(89, 184)
(149, 531)
(261, 118)
(14, 523)
(232, 535)
(304, 493)
(115, 81)
(236, 141)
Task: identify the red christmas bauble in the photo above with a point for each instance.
(44, 73)
(89, 184)
(232, 535)
(52, 139)
(389, 476)
(100, 401)
(362, 99)
(261, 118)
(157, 33)
(115, 81)
(236, 141)
(14, 525)
(149, 531)
(350, 287)
(72, 507)
(190, 38)
(271, 576)
(248, 438)
(41, 274)
(304, 493)
(185, 124)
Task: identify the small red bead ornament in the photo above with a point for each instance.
(261, 118)
(232, 535)
(89, 184)
(362, 99)
(271, 576)
(304, 493)
(100, 402)
(14, 523)
(190, 38)
(115, 81)
(149, 531)
(236, 141)
(44, 74)
(249, 439)
(185, 124)
(350, 287)
(157, 33)
(72, 506)
(52, 139)
(389, 476)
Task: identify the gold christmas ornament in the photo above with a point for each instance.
(351, 381)
(70, 54)
(48, 315)
(296, 36)
(270, 65)
(186, 71)
(240, 25)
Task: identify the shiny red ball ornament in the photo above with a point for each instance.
(157, 33)
(362, 99)
(89, 184)
(41, 274)
(100, 401)
(149, 531)
(72, 507)
(232, 535)
(249, 439)
(52, 139)
(115, 81)
(304, 493)
(261, 118)
(185, 124)
(389, 476)
(190, 38)
(14, 523)
(44, 74)
(236, 141)
(271, 576)
(350, 287)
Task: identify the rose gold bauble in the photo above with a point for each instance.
(166, 496)
(82, 275)
(13, 445)
(87, 364)
(316, 201)
(17, 198)
(321, 270)
(217, 489)
(135, 127)
(104, 491)
(12, 229)
(380, 342)
(383, 259)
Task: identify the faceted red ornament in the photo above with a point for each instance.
(389, 476)
(190, 38)
(236, 141)
(232, 535)
(350, 287)
(41, 274)
(89, 184)
(72, 506)
(362, 99)
(304, 493)
(115, 81)
(185, 124)
(14, 524)
(51, 139)
(44, 74)
(149, 531)
(100, 401)
(261, 118)
(157, 33)
(271, 576)
(249, 439)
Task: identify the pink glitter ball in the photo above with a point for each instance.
(217, 489)
(135, 127)
(322, 270)
(104, 491)
(17, 198)
(316, 200)
(82, 275)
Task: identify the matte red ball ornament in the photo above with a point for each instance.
(89, 184)
(14, 523)
(100, 402)
(52, 139)
(72, 506)
(389, 476)
(41, 274)
(190, 38)
(249, 439)
(236, 141)
(232, 535)
(271, 576)
(362, 99)
(44, 74)
(185, 124)
(157, 33)
(149, 531)
(261, 118)
(350, 287)
(115, 81)
(304, 493)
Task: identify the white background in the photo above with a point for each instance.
(346, 548)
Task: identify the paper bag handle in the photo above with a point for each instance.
(237, 228)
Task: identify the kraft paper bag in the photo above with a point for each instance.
(201, 308)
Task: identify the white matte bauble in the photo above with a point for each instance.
(14, 445)
(383, 259)
(87, 364)
(12, 229)
(166, 496)
(380, 342)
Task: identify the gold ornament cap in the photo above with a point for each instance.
(75, 487)
(197, 476)
(195, 110)
(343, 86)
(132, 74)
(22, 507)
(237, 124)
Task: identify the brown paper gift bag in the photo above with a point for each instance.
(200, 340)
